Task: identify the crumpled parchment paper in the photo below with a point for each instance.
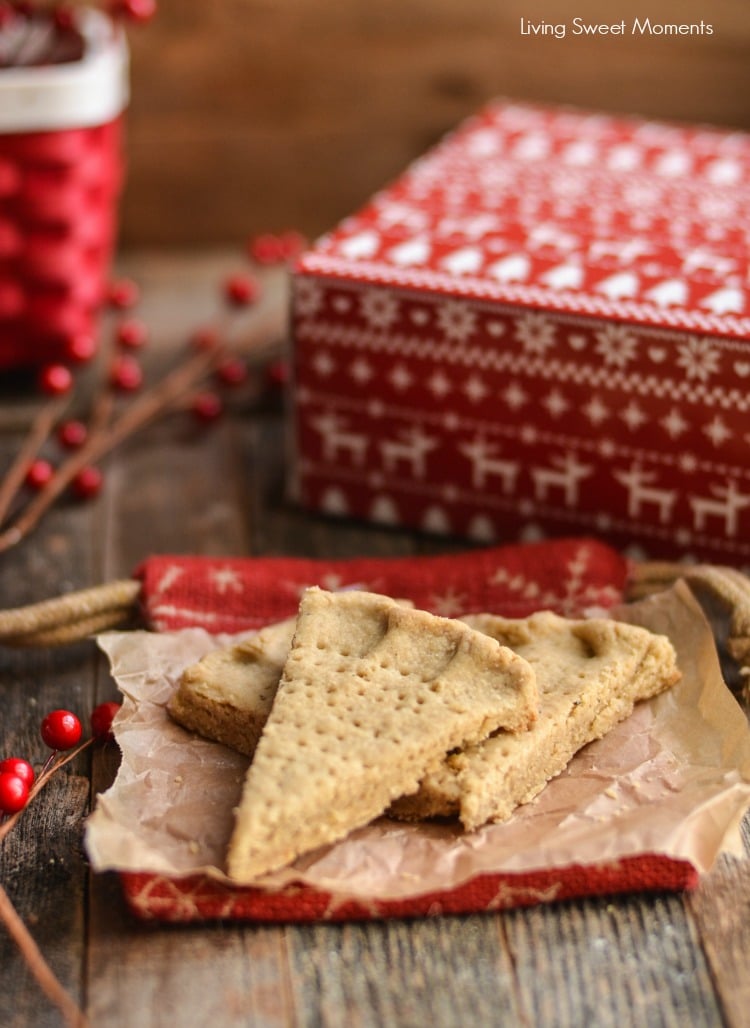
(673, 779)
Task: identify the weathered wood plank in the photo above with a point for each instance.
(440, 971)
(721, 908)
(629, 960)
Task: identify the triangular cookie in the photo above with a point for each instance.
(372, 694)
(227, 696)
(589, 673)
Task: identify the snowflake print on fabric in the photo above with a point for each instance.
(439, 384)
(379, 309)
(361, 371)
(595, 411)
(400, 377)
(536, 333)
(698, 359)
(456, 320)
(616, 344)
(718, 431)
(634, 416)
(555, 403)
(226, 579)
(674, 424)
(308, 297)
(515, 397)
(324, 364)
(475, 389)
(449, 604)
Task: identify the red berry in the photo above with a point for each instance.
(87, 483)
(241, 290)
(266, 249)
(20, 767)
(132, 333)
(126, 374)
(81, 348)
(292, 244)
(101, 720)
(61, 730)
(123, 294)
(72, 434)
(207, 407)
(56, 380)
(232, 372)
(134, 10)
(39, 473)
(270, 249)
(14, 792)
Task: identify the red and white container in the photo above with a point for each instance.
(61, 171)
(541, 328)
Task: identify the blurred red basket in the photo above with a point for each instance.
(61, 171)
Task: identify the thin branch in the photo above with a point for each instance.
(38, 966)
(39, 433)
(160, 398)
(18, 931)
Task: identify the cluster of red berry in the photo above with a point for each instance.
(60, 730)
(197, 384)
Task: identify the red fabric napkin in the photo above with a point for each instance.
(230, 595)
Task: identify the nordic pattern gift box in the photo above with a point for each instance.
(542, 327)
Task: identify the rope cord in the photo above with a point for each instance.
(70, 617)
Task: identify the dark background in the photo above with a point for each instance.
(251, 115)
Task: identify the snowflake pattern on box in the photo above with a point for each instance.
(540, 327)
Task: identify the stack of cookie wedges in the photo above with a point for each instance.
(362, 706)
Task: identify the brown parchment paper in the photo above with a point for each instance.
(673, 779)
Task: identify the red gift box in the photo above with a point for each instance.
(61, 172)
(540, 328)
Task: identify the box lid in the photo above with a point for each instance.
(564, 210)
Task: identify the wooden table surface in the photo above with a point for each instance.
(640, 959)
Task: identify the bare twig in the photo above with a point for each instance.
(38, 966)
(39, 432)
(160, 398)
(18, 931)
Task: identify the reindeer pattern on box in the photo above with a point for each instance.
(540, 328)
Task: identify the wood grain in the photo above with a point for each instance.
(249, 115)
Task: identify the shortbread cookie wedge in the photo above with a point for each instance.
(372, 694)
(227, 696)
(590, 674)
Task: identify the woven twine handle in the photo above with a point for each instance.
(730, 587)
(71, 617)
